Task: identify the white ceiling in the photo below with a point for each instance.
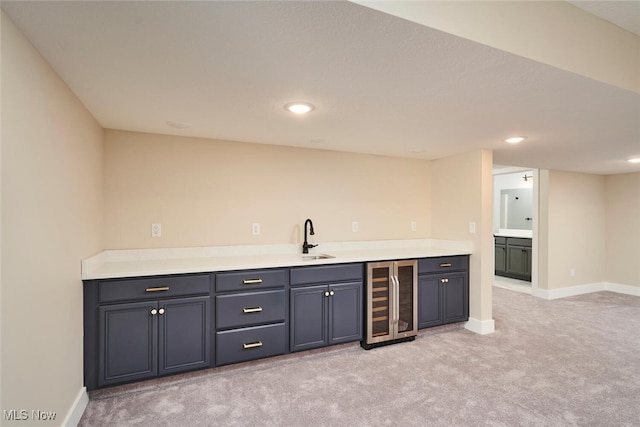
(380, 84)
(625, 14)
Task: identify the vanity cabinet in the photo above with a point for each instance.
(443, 290)
(142, 328)
(500, 255)
(513, 257)
(325, 305)
(251, 315)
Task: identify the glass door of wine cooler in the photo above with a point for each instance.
(406, 274)
(379, 299)
(392, 309)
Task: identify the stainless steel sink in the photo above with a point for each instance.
(315, 257)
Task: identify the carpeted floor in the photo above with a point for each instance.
(568, 362)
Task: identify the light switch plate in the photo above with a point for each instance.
(472, 227)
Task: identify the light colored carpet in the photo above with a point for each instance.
(568, 362)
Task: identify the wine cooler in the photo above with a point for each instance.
(392, 302)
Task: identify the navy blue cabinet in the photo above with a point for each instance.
(327, 310)
(136, 329)
(443, 290)
(251, 315)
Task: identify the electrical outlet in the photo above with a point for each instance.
(572, 272)
(354, 226)
(414, 226)
(255, 228)
(156, 230)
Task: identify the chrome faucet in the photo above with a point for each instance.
(306, 246)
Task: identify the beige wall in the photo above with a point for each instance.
(462, 192)
(51, 219)
(623, 228)
(208, 193)
(576, 236)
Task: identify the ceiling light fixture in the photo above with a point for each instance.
(515, 139)
(634, 160)
(178, 125)
(299, 107)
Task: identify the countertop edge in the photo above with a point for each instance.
(113, 264)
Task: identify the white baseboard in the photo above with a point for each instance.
(585, 289)
(77, 409)
(622, 289)
(481, 327)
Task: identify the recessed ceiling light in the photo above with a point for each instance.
(178, 125)
(515, 139)
(299, 107)
(634, 160)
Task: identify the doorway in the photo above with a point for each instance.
(515, 204)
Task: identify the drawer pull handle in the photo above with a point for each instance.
(252, 310)
(445, 264)
(251, 281)
(252, 345)
(158, 289)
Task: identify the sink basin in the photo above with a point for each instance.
(315, 257)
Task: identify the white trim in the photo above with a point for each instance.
(482, 327)
(567, 292)
(77, 409)
(622, 289)
(550, 294)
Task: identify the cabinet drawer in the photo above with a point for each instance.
(251, 279)
(250, 308)
(153, 288)
(240, 345)
(516, 241)
(443, 264)
(500, 240)
(326, 274)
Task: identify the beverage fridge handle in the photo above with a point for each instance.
(394, 300)
(396, 297)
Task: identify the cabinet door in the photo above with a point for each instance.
(500, 259)
(127, 342)
(455, 297)
(429, 312)
(345, 312)
(527, 263)
(184, 334)
(516, 260)
(308, 313)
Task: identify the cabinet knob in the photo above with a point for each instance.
(326, 294)
(161, 311)
(331, 293)
(154, 311)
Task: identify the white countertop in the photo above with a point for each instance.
(504, 232)
(153, 262)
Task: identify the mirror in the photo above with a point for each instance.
(516, 209)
